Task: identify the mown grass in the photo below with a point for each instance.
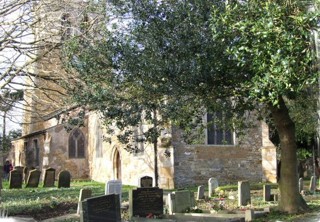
(26, 201)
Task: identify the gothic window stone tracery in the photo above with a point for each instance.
(76, 144)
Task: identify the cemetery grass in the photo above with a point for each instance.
(43, 202)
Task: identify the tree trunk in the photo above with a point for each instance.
(291, 200)
(156, 176)
(155, 148)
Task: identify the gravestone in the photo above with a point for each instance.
(64, 179)
(19, 168)
(26, 171)
(301, 185)
(244, 193)
(266, 193)
(180, 201)
(145, 201)
(33, 178)
(104, 208)
(212, 185)
(15, 179)
(200, 194)
(84, 194)
(312, 186)
(146, 182)
(114, 187)
(49, 177)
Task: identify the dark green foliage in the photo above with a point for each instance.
(172, 61)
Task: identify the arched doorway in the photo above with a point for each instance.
(117, 165)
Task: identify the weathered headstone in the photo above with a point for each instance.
(200, 193)
(19, 168)
(15, 179)
(312, 186)
(212, 185)
(104, 208)
(244, 193)
(180, 201)
(301, 184)
(26, 171)
(64, 179)
(145, 201)
(33, 178)
(84, 194)
(146, 182)
(266, 192)
(114, 187)
(49, 177)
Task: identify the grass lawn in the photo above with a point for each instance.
(42, 203)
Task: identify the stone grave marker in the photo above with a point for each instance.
(84, 194)
(266, 193)
(15, 179)
(312, 186)
(200, 193)
(26, 171)
(64, 179)
(49, 177)
(104, 208)
(146, 182)
(19, 168)
(212, 185)
(114, 187)
(244, 193)
(180, 201)
(33, 178)
(301, 185)
(145, 201)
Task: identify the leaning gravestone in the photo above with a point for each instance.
(244, 193)
(15, 179)
(64, 179)
(101, 209)
(26, 171)
(145, 201)
(212, 185)
(200, 193)
(180, 201)
(146, 182)
(33, 178)
(49, 177)
(114, 187)
(84, 194)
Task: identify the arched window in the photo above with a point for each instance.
(76, 144)
(217, 131)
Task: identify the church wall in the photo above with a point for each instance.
(103, 166)
(53, 152)
(195, 164)
(59, 156)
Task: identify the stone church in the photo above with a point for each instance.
(46, 142)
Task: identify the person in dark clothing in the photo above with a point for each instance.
(6, 169)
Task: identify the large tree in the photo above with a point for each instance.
(256, 53)
(271, 41)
